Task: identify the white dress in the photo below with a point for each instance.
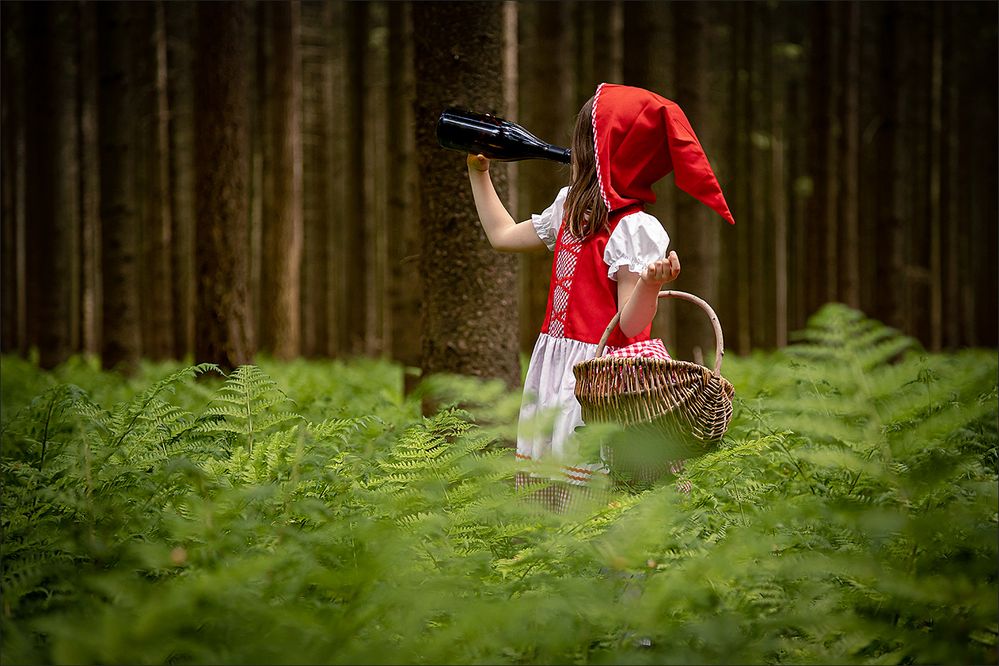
(549, 412)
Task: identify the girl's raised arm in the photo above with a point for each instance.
(504, 234)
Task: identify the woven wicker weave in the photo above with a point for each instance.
(683, 399)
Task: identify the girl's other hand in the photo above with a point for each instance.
(478, 162)
(662, 271)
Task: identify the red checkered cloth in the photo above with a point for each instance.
(647, 349)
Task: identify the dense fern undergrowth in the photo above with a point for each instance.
(306, 513)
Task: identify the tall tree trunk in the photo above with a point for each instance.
(819, 131)
(374, 183)
(224, 332)
(403, 203)
(13, 319)
(697, 227)
(339, 308)
(740, 287)
(470, 290)
(547, 108)
(280, 313)
(180, 24)
(353, 315)
(889, 222)
(89, 185)
(950, 161)
(121, 336)
(153, 187)
(52, 196)
(317, 201)
(937, 28)
(849, 165)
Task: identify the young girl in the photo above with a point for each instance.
(610, 255)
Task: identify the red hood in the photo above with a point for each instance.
(639, 138)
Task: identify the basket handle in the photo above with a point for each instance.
(719, 339)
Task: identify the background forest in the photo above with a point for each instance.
(256, 186)
(217, 179)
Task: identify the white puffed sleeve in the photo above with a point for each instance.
(637, 241)
(547, 224)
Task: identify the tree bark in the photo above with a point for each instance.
(317, 200)
(149, 124)
(180, 24)
(889, 222)
(52, 194)
(470, 298)
(224, 332)
(353, 315)
(403, 202)
(13, 318)
(849, 218)
(377, 338)
(547, 108)
(281, 243)
(697, 227)
(121, 336)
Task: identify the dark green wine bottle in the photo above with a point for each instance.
(497, 139)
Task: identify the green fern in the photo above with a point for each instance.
(247, 407)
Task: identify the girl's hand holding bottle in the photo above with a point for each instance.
(477, 162)
(662, 271)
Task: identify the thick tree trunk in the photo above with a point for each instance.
(403, 203)
(697, 228)
(224, 332)
(89, 174)
(849, 217)
(547, 108)
(52, 195)
(377, 155)
(150, 124)
(889, 224)
(353, 315)
(121, 336)
(281, 244)
(12, 280)
(317, 199)
(180, 24)
(470, 297)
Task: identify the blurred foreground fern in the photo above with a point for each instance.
(307, 513)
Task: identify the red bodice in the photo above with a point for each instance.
(582, 299)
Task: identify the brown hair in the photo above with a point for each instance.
(585, 212)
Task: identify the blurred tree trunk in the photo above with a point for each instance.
(13, 319)
(121, 335)
(52, 181)
(180, 25)
(739, 284)
(849, 103)
(224, 331)
(984, 151)
(374, 217)
(403, 202)
(470, 297)
(281, 243)
(889, 223)
(820, 129)
(697, 227)
(547, 109)
(152, 196)
(338, 298)
(760, 102)
(89, 185)
(913, 151)
(950, 163)
(317, 194)
(352, 318)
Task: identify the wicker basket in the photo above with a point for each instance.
(689, 403)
